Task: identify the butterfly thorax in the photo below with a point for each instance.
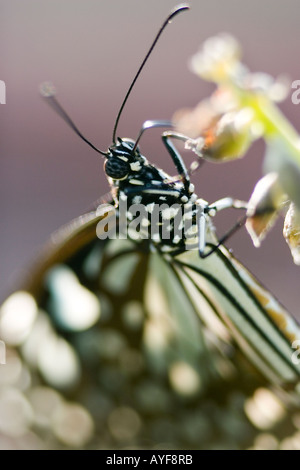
(158, 207)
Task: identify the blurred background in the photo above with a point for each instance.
(91, 49)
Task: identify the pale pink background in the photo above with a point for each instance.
(91, 49)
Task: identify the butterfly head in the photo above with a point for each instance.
(123, 159)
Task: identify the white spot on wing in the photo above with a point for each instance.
(58, 363)
(176, 239)
(156, 237)
(76, 307)
(166, 248)
(17, 316)
(145, 222)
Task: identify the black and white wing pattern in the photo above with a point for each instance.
(110, 345)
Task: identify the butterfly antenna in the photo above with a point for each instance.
(48, 91)
(173, 13)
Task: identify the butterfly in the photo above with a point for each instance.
(137, 328)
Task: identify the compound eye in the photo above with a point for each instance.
(116, 168)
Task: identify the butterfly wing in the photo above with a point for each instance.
(257, 321)
(112, 346)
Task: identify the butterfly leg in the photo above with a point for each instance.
(176, 157)
(212, 209)
(202, 233)
(225, 203)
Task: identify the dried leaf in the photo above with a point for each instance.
(291, 232)
(267, 198)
